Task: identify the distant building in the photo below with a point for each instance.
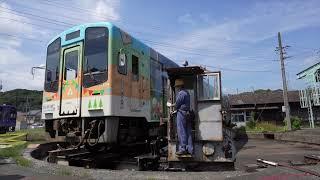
(33, 116)
(21, 122)
(310, 95)
(21, 116)
(265, 105)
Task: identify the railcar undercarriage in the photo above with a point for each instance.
(141, 145)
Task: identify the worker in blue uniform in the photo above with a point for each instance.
(184, 128)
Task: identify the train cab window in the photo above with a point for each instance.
(135, 68)
(209, 87)
(122, 63)
(52, 66)
(95, 68)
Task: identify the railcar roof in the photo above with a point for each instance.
(81, 27)
(9, 106)
(189, 70)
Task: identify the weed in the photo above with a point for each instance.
(265, 127)
(295, 122)
(21, 161)
(37, 134)
(63, 172)
(13, 151)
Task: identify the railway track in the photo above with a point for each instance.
(116, 160)
(81, 157)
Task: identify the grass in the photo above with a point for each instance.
(16, 143)
(266, 127)
(33, 135)
(21, 161)
(262, 127)
(15, 151)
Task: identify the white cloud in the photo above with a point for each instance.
(186, 19)
(310, 60)
(20, 77)
(225, 39)
(15, 65)
(11, 56)
(16, 61)
(8, 42)
(101, 10)
(10, 22)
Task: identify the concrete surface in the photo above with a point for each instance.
(305, 135)
(249, 151)
(311, 136)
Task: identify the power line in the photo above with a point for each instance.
(44, 19)
(168, 45)
(186, 50)
(75, 7)
(157, 43)
(72, 7)
(33, 24)
(15, 36)
(216, 67)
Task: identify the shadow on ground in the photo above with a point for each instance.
(11, 177)
(241, 139)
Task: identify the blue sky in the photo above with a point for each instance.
(236, 37)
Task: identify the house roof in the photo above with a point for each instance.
(34, 112)
(305, 70)
(264, 97)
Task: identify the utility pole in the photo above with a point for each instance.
(284, 82)
(27, 110)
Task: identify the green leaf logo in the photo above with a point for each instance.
(95, 104)
(89, 105)
(100, 104)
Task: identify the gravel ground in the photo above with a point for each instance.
(54, 169)
(249, 152)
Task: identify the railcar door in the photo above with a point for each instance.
(157, 93)
(209, 107)
(71, 80)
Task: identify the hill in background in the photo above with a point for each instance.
(18, 98)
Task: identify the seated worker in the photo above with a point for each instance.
(183, 123)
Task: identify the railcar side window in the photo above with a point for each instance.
(209, 87)
(53, 66)
(71, 65)
(95, 68)
(135, 67)
(122, 63)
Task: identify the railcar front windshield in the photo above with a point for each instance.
(52, 67)
(96, 56)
